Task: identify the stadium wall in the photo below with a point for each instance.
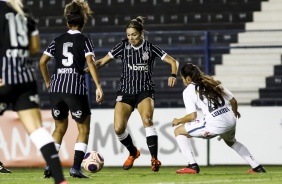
(259, 128)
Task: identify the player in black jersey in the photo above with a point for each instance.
(136, 88)
(20, 38)
(67, 85)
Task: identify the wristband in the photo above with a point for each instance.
(173, 75)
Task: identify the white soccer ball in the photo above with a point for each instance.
(93, 161)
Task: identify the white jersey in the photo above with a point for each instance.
(216, 119)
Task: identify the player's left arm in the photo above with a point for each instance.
(174, 69)
(189, 117)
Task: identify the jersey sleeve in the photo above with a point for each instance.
(227, 94)
(116, 51)
(158, 52)
(50, 51)
(89, 47)
(189, 103)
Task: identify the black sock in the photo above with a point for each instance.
(152, 143)
(51, 157)
(78, 157)
(127, 142)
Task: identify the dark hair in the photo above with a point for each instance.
(137, 24)
(205, 85)
(77, 13)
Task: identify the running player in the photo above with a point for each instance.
(220, 109)
(136, 88)
(67, 85)
(20, 38)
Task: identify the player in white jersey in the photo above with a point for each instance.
(220, 111)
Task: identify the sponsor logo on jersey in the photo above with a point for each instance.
(34, 98)
(77, 114)
(139, 67)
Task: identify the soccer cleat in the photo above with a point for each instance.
(130, 160)
(3, 169)
(258, 169)
(64, 182)
(47, 172)
(77, 174)
(156, 164)
(190, 169)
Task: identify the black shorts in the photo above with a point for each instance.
(62, 103)
(134, 99)
(20, 96)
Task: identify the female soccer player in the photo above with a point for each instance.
(20, 38)
(136, 88)
(67, 85)
(220, 112)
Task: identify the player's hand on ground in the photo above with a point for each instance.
(99, 95)
(171, 81)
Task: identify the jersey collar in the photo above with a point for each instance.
(73, 32)
(136, 48)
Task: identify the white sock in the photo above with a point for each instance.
(150, 131)
(80, 146)
(245, 154)
(57, 146)
(41, 137)
(186, 148)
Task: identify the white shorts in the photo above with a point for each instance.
(200, 128)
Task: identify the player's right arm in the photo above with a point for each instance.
(44, 69)
(100, 63)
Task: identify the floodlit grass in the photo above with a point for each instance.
(144, 175)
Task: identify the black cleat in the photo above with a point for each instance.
(77, 174)
(3, 169)
(258, 169)
(47, 172)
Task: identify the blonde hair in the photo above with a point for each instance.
(17, 5)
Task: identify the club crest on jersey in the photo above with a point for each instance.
(145, 55)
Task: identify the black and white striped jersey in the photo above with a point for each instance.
(69, 51)
(138, 65)
(15, 32)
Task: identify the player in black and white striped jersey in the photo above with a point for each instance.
(136, 88)
(19, 39)
(67, 85)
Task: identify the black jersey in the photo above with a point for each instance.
(137, 65)
(15, 32)
(69, 51)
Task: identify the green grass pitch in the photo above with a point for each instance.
(144, 175)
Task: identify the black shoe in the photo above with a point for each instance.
(3, 169)
(47, 172)
(194, 167)
(258, 169)
(77, 174)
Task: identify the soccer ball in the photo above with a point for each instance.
(93, 161)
